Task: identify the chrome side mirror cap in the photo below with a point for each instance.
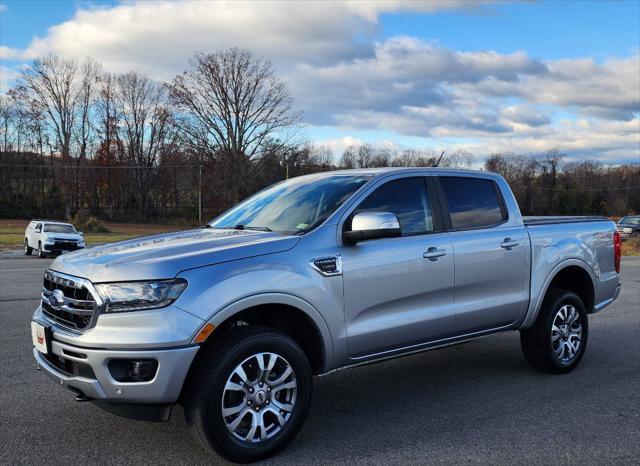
(372, 225)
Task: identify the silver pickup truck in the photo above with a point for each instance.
(314, 274)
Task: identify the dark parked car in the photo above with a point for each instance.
(629, 226)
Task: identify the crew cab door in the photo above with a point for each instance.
(394, 296)
(490, 253)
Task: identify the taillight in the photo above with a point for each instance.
(617, 250)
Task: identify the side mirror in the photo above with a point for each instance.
(80, 233)
(372, 225)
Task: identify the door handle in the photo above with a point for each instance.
(433, 253)
(509, 244)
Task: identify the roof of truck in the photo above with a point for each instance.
(385, 170)
(50, 221)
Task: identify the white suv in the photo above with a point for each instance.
(47, 237)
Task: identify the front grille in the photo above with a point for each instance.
(59, 245)
(67, 301)
(66, 319)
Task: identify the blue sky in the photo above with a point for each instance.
(481, 77)
(546, 29)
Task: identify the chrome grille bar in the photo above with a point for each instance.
(70, 302)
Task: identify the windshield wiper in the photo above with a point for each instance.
(240, 226)
(249, 227)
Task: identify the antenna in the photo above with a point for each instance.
(438, 162)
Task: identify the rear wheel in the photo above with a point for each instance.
(27, 250)
(249, 394)
(558, 339)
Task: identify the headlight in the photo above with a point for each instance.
(627, 230)
(136, 296)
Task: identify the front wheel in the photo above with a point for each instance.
(41, 254)
(27, 250)
(558, 339)
(249, 394)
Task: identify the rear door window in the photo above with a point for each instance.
(472, 202)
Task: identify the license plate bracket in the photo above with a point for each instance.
(41, 337)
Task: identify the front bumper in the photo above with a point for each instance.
(164, 387)
(60, 247)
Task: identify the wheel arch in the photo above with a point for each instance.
(287, 313)
(571, 275)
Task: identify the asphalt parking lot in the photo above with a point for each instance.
(473, 403)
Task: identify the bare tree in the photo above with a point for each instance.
(232, 103)
(109, 151)
(147, 128)
(58, 92)
(50, 86)
(88, 85)
(550, 162)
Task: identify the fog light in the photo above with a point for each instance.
(142, 370)
(133, 370)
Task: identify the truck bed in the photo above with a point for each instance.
(540, 220)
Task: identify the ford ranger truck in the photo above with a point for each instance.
(314, 274)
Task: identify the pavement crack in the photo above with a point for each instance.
(19, 299)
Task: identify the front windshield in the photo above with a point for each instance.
(56, 228)
(292, 206)
(630, 220)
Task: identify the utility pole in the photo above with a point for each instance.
(199, 190)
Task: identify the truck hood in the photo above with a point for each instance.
(166, 255)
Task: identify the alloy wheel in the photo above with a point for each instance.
(259, 397)
(566, 333)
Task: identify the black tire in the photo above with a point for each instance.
(537, 344)
(27, 249)
(41, 254)
(203, 395)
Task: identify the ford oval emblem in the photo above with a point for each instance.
(57, 299)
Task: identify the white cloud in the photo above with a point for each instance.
(606, 141)
(501, 102)
(338, 145)
(340, 77)
(3, 7)
(609, 90)
(7, 77)
(160, 36)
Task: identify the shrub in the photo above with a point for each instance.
(631, 246)
(89, 224)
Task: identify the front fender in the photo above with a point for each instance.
(218, 292)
